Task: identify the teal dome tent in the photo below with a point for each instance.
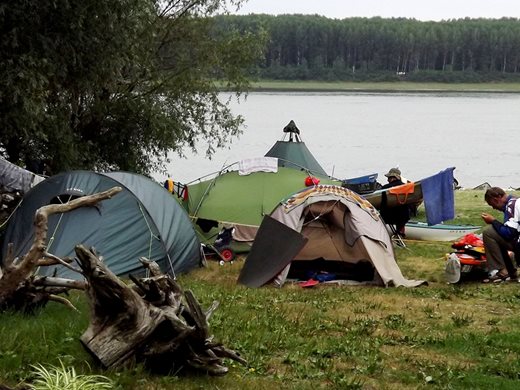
(143, 220)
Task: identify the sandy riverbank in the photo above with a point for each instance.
(404, 86)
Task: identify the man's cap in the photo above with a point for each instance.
(394, 172)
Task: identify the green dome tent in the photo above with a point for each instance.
(242, 201)
(231, 198)
(142, 220)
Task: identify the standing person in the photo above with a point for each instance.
(499, 238)
(397, 215)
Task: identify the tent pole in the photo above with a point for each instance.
(209, 186)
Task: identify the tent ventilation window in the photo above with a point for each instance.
(311, 217)
(63, 198)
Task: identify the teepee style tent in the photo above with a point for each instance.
(293, 153)
(142, 220)
(323, 229)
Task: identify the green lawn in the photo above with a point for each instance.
(437, 336)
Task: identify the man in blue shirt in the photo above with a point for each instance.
(500, 238)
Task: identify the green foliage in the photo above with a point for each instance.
(116, 84)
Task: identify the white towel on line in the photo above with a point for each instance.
(257, 164)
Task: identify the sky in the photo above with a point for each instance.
(419, 9)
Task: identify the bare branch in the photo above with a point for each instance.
(9, 257)
(62, 300)
(58, 260)
(211, 310)
(60, 282)
(36, 251)
(152, 266)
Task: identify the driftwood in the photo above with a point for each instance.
(152, 321)
(20, 287)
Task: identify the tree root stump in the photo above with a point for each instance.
(153, 321)
(20, 288)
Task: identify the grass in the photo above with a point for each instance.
(403, 86)
(438, 336)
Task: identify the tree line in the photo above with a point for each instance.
(315, 47)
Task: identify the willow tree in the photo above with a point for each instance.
(117, 84)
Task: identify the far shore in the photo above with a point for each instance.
(398, 86)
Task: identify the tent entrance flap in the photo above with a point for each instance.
(275, 246)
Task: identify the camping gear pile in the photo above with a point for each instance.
(468, 261)
(221, 247)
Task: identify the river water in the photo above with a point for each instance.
(355, 134)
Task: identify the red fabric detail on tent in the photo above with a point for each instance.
(311, 181)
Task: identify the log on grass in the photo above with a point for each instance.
(120, 321)
(153, 321)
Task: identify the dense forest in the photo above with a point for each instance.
(312, 47)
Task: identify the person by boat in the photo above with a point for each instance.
(394, 178)
(398, 215)
(500, 238)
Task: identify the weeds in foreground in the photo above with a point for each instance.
(66, 378)
(463, 319)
